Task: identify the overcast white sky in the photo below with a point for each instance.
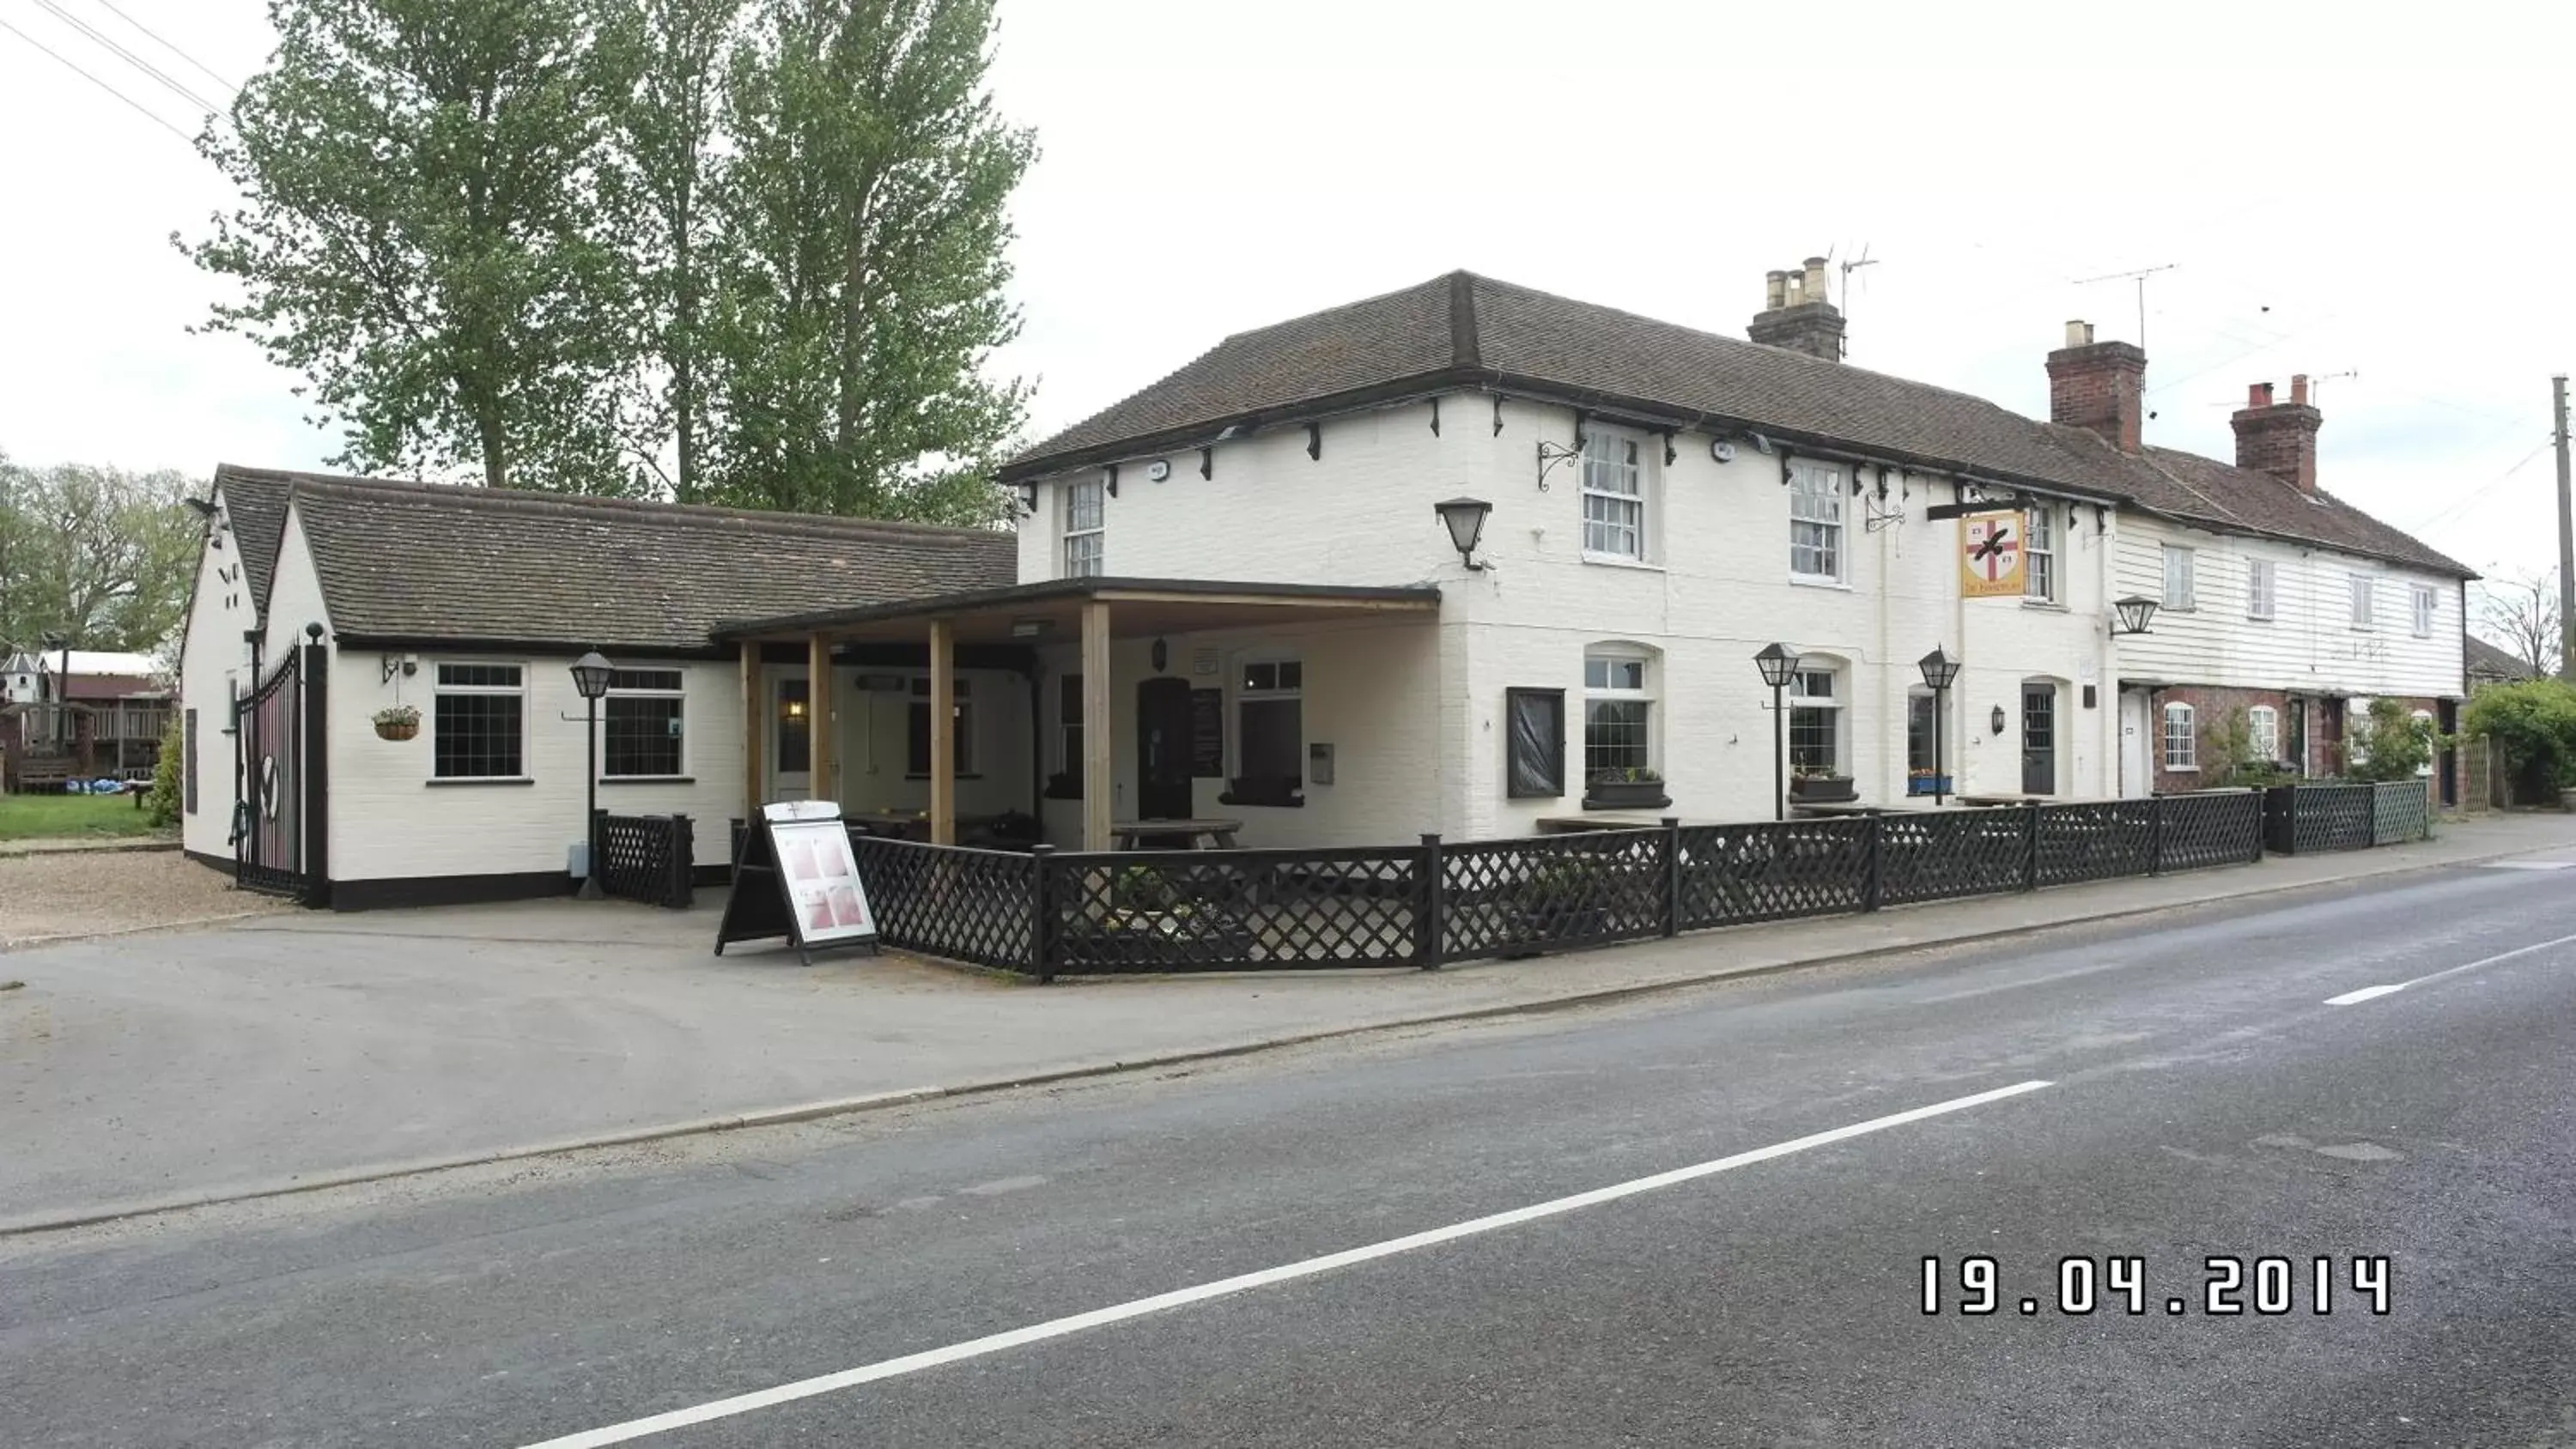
(2338, 196)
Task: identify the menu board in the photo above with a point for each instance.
(818, 899)
(1207, 734)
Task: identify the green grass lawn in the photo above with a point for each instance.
(32, 817)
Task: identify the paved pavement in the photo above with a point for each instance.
(171, 1068)
(2185, 1090)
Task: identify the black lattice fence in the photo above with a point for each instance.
(2094, 840)
(2400, 811)
(1939, 855)
(1232, 910)
(967, 905)
(2218, 827)
(648, 858)
(1550, 892)
(2301, 819)
(1731, 874)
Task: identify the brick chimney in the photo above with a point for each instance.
(2099, 386)
(1797, 314)
(2280, 438)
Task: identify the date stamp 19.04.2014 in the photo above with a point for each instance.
(2223, 1287)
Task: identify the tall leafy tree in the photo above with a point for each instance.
(422, 233)
(101, 557)
(864, 229)
(671, 162)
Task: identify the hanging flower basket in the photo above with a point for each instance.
(400, 722)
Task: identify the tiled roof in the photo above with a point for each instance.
(1463, 330)
(2487, 661)
(256, 504)
(432, 561)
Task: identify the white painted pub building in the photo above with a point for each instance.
(1236, 595)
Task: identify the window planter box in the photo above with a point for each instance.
(1625, 795)
(1930, 785)
(1823, 789)
(1264, 790)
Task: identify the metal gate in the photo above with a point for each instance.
(278, 825)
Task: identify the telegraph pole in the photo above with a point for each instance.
(2566, 536)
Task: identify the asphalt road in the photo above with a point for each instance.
(2200, 1098)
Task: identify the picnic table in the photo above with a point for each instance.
(1129, 834)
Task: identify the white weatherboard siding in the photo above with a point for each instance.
(2309, 644)
(1714, 588)
(214, 658)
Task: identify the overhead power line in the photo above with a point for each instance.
(146, 111)
(55, 9)
(166, 45)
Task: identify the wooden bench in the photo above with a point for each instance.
(44, 772)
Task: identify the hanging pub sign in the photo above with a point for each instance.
(796, 878)
(1990, 561)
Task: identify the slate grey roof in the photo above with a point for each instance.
(2489, 661)
(1466, 331)
(256, 504)
(437, 562)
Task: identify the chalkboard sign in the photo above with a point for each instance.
(1207, 734)
(797, 879)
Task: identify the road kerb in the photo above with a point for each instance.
(877, 1101)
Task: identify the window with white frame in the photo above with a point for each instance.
(1614, 495)
(1618, 712)
(2262, 582)
(1270, 732)
(642, 725)
(961, 726)
(1815, 521)
(2178, 562)
(2362, 590)
(1815, 722)
(2039, 554)
(2263, 733)
(2428, 607)
(2181, 738)
(479, 722)
(1085, 527)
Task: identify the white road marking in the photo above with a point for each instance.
(2370, 992)
(2531, 865)
(1137, 1308)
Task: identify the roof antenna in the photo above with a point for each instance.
(2140, 276)
(1849, 266)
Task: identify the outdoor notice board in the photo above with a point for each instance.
(1207, 734)
(798, 880)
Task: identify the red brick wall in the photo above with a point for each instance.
(2101, 387)
(2211, 706)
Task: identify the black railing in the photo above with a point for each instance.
(648, 858)
(944, 900)
(1422, 905)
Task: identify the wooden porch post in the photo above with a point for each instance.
(818, 720)
(755, 726)
(943, 735)
(1096, 785)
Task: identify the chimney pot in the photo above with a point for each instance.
(2258, 394)
(2079, 334)
(1815, 291)
(2298, 389)
(1775, 290)
(1799, 318)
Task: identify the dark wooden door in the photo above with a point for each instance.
(2039, 739)
(1163, 749)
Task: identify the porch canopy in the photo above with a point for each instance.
(1096, 609)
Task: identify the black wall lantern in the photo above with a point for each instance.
(590, 675)
(1466, 520)
(2136, 613)
(1996, 719)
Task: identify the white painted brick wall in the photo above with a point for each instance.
(213, 658)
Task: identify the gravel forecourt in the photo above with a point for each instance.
(85, 893)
